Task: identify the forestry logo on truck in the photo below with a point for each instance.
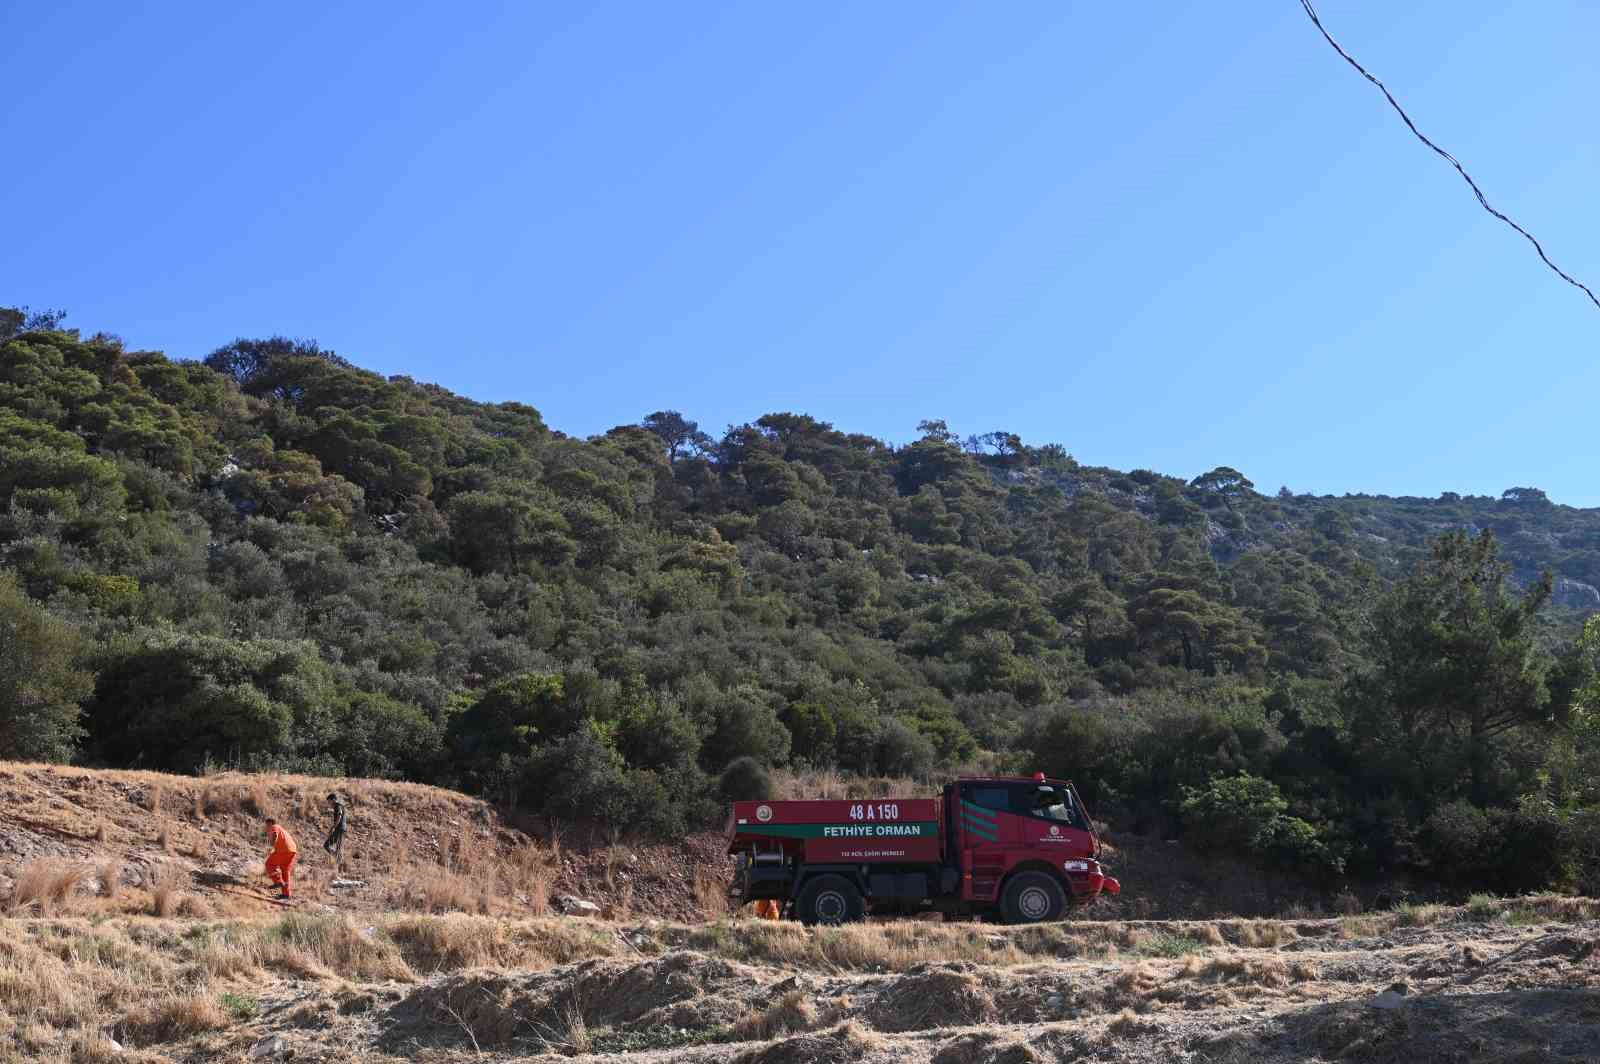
(763, 813)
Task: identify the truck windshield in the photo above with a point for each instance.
(1056, 804)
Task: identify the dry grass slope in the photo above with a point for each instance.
(393, 987)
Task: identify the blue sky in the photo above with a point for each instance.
(1165, 236)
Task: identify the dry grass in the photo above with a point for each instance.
(1250, 971)
(166, 886)
(45, 887)
(575, 1036)
(92, 1047)
(1552, 908)
(450, 943)
(622, 910)
(214, 820)
(435, 890)
(710, 894)
(336, 945)
(253, 799)
(934, 996)
(66, 981)
(616, 854)
(570, 1034)
(895, 946)
(531, 873)
(109, 875)
(792, 1012)
(1360, 927)
(1410, 915)
(170, 1019)
(1265, 934)
(63, 979)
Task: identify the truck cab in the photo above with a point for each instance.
(1022, 849)
(1026, 847)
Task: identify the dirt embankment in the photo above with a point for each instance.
(409, 847)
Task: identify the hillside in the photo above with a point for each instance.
(412, 848)
(275, 560)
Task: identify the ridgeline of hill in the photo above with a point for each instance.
(273, 559)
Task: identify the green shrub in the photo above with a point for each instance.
(1457, 841)
(240, 1006)
(813, 732)
(745, 780)
(904, 751)
(1245, 813)
(1510, 851)
(40, 686)
(1167, 944)
(580, 777)
(1233, 813)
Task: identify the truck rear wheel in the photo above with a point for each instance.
(1033, 898)
(830, 900)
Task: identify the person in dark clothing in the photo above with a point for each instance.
(334, 843)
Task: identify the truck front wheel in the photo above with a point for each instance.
(1033, 898)
(830, 900)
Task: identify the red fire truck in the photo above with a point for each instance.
(1021, 848)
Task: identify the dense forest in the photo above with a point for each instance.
(274, 559)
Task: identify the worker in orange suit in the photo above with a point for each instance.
(768, 909)
(280, 862)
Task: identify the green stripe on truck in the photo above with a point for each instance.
(986, 832)
(978, 812)
(902, 829)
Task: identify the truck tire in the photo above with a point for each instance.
(830, 900)
(1033, 898)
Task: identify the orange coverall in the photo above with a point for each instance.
(768, 909)
(280, 862)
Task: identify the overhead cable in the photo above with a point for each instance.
(1311, 12)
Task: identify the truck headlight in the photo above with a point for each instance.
(1075, 866)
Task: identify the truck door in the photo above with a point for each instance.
(1052, 822)
(987, 832)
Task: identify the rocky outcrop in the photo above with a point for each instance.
(1575, 594)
